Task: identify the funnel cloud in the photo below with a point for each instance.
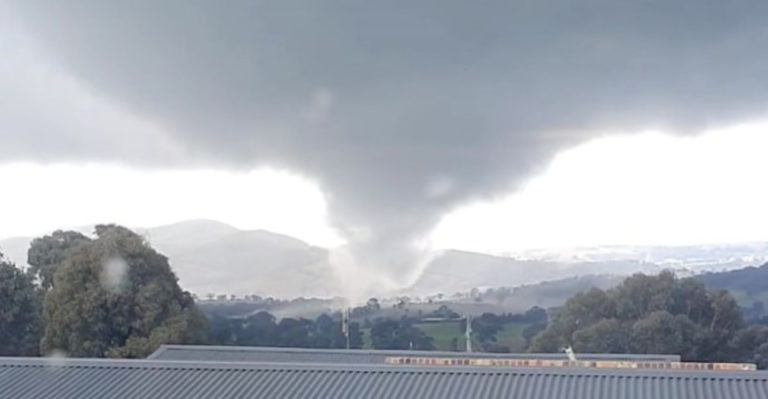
(399, 110)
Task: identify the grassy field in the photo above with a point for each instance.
(443, 333)
(512, 336)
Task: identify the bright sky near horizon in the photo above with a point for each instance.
(647, 188)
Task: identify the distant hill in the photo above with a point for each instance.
(550, 293)
(212, 257)
(459, 271)
(216, 258)
(747, 285)
(498, 300)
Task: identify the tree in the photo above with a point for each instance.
(328, 334)
(580, 311)
(443, 312)
(384, 335)
(262, 329)
(660, 314)
(295, 333)
(549, 340)
(391, 334)
(19, 312)
(373, 305)
(221, 330)
(751, 345)
(696, 303)
(259, 329)
(46, 253)
(535, 315)
(657, 333)
(605, 336)
(355, 336)
(486, 327)
(115, 296)
(633, 297)
(530, 331)
(726, 314)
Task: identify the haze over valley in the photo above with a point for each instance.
(211, 257)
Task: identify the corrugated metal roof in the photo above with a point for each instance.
(85, 379)
(299, 355)
(600, 364)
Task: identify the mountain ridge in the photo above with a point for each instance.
(212, 257)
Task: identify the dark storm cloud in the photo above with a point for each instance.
(402, 109)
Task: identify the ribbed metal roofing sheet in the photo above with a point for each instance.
(85, 379)
(298, 355)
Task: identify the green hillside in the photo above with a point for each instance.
(748, 285)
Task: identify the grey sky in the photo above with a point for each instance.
(400, 109)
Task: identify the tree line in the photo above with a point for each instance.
(659, 314)
(263, 329)
(115, 296)
(112, 295)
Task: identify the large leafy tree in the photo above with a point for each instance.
(605, 336)
(660, 332)
(647, 314)
(46, 253)
(116, 296)
(19, 312)
(751, 344)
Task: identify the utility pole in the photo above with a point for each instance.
(345, 325)
(468, 333)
